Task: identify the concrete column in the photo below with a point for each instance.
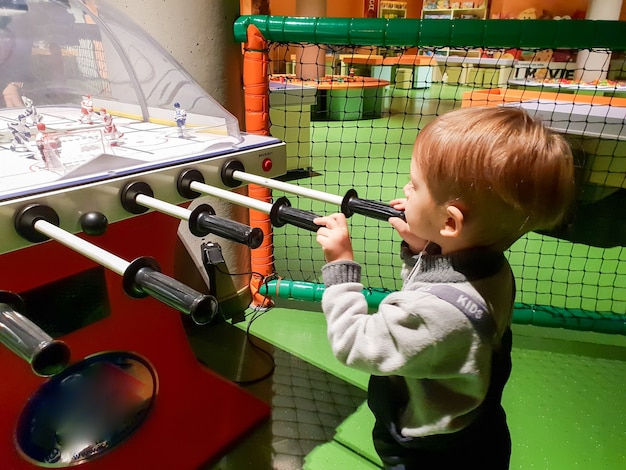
(310, 60)
(594, 64)
(199, 35)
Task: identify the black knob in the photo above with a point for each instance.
(94, 223)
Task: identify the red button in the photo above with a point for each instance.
(267, 164)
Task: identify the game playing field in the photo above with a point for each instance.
(143, 144)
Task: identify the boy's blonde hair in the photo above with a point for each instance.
(498, 157)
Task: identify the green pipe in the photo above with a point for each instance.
(570, 34)
(312, 292)
(552, 317)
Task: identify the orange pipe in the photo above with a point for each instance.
(256, 102)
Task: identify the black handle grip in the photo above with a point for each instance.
(203, 221)
(282, 213)
(352, 204)
(143, 277)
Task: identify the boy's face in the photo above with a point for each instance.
(422, 213)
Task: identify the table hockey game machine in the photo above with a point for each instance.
(99, 127)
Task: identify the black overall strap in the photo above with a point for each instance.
(476, 311)
(472, 307)
(382, 393)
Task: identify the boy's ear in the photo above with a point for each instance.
(454, 222)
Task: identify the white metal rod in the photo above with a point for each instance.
(288, 187)
(245, 201)
(162, 206)
(94, 253)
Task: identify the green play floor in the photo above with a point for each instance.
(565, 399)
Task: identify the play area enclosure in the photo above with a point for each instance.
(341, 135)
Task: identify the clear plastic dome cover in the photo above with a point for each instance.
(85, 71)
(58, 51)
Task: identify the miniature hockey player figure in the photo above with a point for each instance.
(41, 128)
(181, 119)
(110, 129)
(31, 111)
(21, 134)
(86, 110)
(49, 148)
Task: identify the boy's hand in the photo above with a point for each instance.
(416, 244)
(398, 204)
(334, 238)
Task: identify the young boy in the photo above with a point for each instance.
(438, 351)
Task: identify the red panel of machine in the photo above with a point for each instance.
(197, 414)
